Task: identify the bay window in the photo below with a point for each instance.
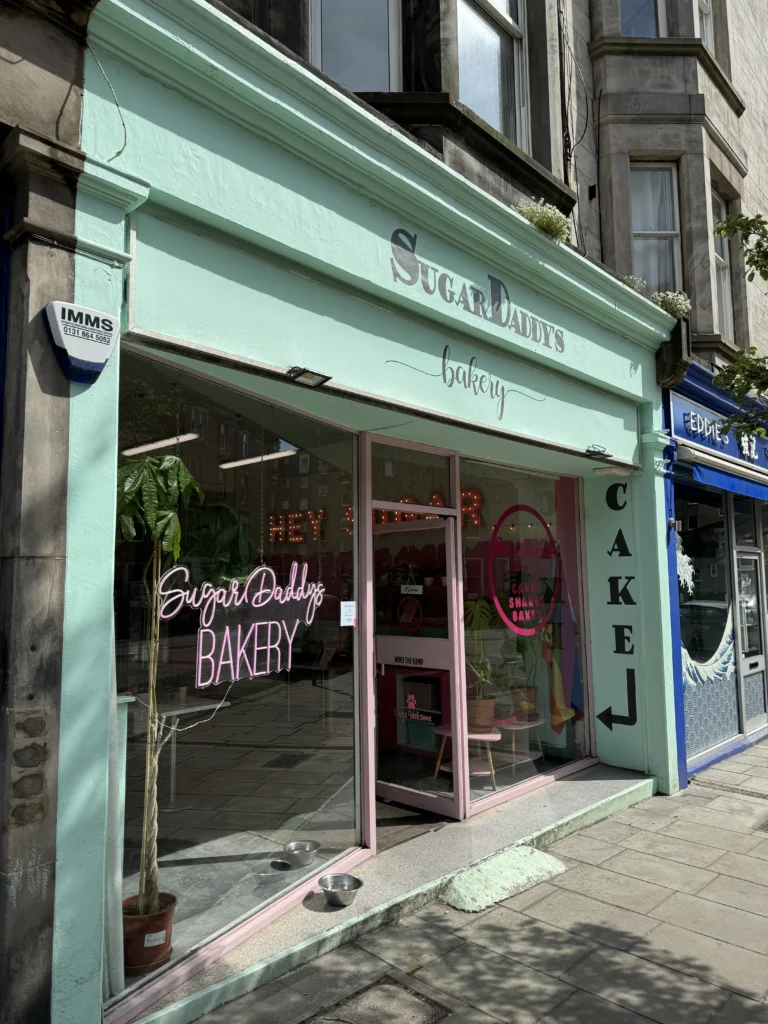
(643, 18)
(724, 300)
(357, 43)
(656, 226)
(492, 66)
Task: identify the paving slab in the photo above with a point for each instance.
(739, 1010)
(760, 849)
(609, 831)
(410, 943)
(530, 942)
(657, 992)
(592, 918)
(758, 771)
(617, 890)
(496, 985)
(750, 868)
(730, 778)
(730, 765)
(659, 844)
(718, 963)
(737, 892)
(660, 871)
(584, 1008)
(711, 835)
(440, 915)
(719, 922)
(651, 821)
(671, 805)
(324, 981)
(756, 783)
(584, 848)
(528, 897)
(713, 818)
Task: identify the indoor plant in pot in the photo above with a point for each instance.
(479, 616)
(150, 493)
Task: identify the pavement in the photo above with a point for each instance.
(661, 915)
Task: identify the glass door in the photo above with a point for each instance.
(414, 626)
(751, 639)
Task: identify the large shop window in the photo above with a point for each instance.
(492, 75)
(656, 226)
(710, 682)
(523, 634)
(240, 682)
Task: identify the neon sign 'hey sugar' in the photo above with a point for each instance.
(242, 644)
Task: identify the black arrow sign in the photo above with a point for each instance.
(607, 717)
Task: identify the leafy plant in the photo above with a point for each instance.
(479, 615)
(546, 217)
(752, 233)
(150, 493)
(677, 304)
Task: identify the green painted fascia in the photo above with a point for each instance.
(204, 54)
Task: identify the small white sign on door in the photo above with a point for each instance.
(411, 588)
(348, 613)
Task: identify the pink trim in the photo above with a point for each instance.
(460, 745)
(556, 589)
(128, 1009)
(367, 649)
(503, 796)
(415, 446)
(437, 803)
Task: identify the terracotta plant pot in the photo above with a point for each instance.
(147, 937)
(480, 711)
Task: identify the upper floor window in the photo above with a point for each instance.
(644, 18)
(656, 226)
(357, 42)
(492, 71)
(707, 24)
(724, 297)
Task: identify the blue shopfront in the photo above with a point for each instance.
(717, 492)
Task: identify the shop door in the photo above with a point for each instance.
(751, 642)
(414, 567)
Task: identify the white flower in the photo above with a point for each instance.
(684, 567)
(677, 304)
(546, 217)
(637, 284)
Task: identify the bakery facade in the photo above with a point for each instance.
(387, 468)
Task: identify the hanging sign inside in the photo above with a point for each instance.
(247, 629)
(530, 590)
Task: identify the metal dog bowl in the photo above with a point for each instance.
(301, 852)
(340, 890)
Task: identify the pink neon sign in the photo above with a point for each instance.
(528, 610)
(243, 648)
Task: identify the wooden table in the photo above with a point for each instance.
(476, 764)
(522, 726)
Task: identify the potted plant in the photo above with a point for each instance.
(150, 493)
(479, 616)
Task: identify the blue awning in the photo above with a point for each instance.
(718, 478)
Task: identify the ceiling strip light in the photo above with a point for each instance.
(256, 458)
(166, 443)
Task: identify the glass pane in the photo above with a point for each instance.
(706, 26)
(508, 7)
(411, 589)
(706, 627)
(653, 199)
(355, 43)
(655, 263)
(486, 73)
(639, 18)
(258, 697)
(744, 521)
(749, 607)
(410, 476)
(522, 626)
(719, 213)
(724, 307)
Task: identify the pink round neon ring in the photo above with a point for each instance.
(532, 631)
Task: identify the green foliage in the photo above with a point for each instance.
(746, 381)
(752, 233)
(150, 492)
(546, 217)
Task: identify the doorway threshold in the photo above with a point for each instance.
(399, 881)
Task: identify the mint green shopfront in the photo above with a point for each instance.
(429, 434)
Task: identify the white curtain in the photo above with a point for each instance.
(653, 210)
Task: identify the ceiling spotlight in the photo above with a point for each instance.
(165, 443)
(311, 378)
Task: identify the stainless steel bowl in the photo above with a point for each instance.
(340, 890)
(301, 852)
